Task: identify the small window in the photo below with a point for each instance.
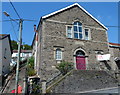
(58, 54)
(87, 34)
(69, 32)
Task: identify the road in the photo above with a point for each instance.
(11, 84)
(114, 90)
(104, 90)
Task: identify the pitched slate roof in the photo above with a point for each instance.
(114, 44)
(75, 4)
(2, 36)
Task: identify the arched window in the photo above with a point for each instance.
(58, 54)
(77, 30)
(80, 53)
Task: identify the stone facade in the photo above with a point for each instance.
(115, 55)
(52, 36)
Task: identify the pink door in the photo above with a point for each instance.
(80, 63)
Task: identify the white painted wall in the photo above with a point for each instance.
(0, 57)
(5, 55)
(22, 54)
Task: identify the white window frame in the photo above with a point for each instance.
(56, 55)
(89, 34)
(71, 31)
(83, 31)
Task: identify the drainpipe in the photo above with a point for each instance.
(36, 42)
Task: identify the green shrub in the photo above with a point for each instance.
(30, 67)
(64, 67)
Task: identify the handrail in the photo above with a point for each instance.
(50, 81)
(59, 80)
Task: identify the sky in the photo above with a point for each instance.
(105, 12)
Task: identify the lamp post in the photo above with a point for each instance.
(18, 59)
(19, 48)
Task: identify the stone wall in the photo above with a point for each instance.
(54, 36)
(115, 53)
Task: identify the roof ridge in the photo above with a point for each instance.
(114, 44)
(53, 13)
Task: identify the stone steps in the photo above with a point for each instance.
(85, 80)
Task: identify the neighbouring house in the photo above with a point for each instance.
(115, 55)
(70, 34)
(23, 55)
(5, 55)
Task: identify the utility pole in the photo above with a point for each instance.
(18, 59)
(19, 46)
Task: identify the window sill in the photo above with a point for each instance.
(78, 39)
(58, 59)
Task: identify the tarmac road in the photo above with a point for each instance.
(114, 90)
(104, 90)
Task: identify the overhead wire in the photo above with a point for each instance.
(14, 20)
(113, 26)
(15, 10)
(14, 30)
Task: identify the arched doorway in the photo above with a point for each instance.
(80, 60)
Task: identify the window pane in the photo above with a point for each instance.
(58, 54)
(80, 36)
(86, 34)
(69, 29)
(69, 32)
(80, 24)
(69, 35)
(75, 23)
(75, 35)
(86, 30)
(75, 28)
(80, 53)
(80, 29)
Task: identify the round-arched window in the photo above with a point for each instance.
(80, 53)
(77, 30)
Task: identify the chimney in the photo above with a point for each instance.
(35, 30)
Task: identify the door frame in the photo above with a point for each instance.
(86, 58)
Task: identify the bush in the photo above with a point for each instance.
(64, 67)
(30, 67)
